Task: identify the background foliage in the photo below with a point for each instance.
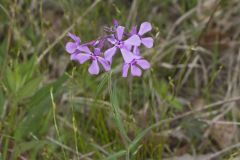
(185, 107)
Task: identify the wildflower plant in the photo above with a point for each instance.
(117, 40)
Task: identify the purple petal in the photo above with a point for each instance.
(127, 55)
(135, 71)
(115, 23)
(104, 63)
(133, 30)
(147, 42)
(128, 47)
(82, 57)
(112, 40)
(97, 51)
(74, 37)
(120, 30)
(101, 43)
(83, 49)
(73, 57)
(133, 40)
(136, 51)
(144, 64)
(108, 54)
(125, 69)
(144, 28)
(94, 68)
(71, 47)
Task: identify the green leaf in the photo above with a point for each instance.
(118, 119)
(9, 81)
(29, 88)
(3, 50)
(27, 146)
(28, 69)
(161, 87)
(116, 155)
(2, 101)
(18, 77)
(38, 108)
(175, 103)
(101, 85)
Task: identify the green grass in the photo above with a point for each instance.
(51, 108)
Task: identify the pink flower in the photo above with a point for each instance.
(118, 39)
(135, 65)
(144, 28)
(73, 48)
(95, 58)
(121, 44)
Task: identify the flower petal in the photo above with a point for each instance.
(74, 37)
(147, 42)
(112, 39)
(94, 68)
(128, 47)
(82, 57)
(144, 64)
(125, 69)
(127, 55)
(144, 28)
(133, 40)
(71, 47)
(104, 63)
(73, 57)
(101, 43)
(120, 30)
(136, 51)
(133, 30)
(83, 48)
(115, 23)
(108, 54)
(97, 51)
(135, 71)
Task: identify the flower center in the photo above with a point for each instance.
(134, 62)
(119, 43)
(93, 57)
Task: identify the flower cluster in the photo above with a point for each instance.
(117, 39)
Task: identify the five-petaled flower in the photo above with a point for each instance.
(135, 64)
(146, 41)
(95, 57)
(123, 45)
(144, 28)
(73, 48)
